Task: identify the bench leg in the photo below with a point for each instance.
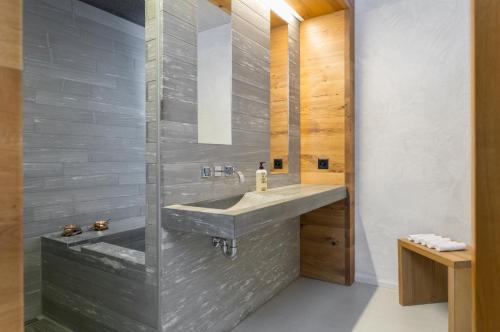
(459, 300)
(421, 280)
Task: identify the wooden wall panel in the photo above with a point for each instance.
(279, 97)
(309, 9)
(11, 236)
(486, 156)
(349, 141)
(10, 34)
(323, 243)
(322, 98)
(327, 131)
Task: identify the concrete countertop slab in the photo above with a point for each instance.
(236, 216)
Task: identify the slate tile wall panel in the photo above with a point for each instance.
(201, 290)
(84, 118)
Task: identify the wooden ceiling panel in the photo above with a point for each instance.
(225, 5)
(312, 8)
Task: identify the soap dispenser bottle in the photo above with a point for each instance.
(261, 178)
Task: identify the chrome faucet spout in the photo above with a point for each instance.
(241, 176)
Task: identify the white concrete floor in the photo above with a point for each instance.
(314, 306)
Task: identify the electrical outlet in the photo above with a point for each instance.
(278, 163)
(323, 164)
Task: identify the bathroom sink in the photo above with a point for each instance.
(221, 204)
(239, 215)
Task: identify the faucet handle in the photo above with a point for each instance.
(206, 172)
(229, 170)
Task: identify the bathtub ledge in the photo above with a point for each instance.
(115, 255)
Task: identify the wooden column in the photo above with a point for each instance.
(327, 132)
(486, 159)
(11, 168)
(459, 299)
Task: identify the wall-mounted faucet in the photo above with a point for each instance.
(231, 171)
(219, 171)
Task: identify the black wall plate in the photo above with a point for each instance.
(323, 164)
(278, 164)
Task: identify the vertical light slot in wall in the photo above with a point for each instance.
(214, 90)
(279, 94)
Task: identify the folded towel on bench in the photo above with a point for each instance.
(437, 242)
(420, 238)
(451, 246)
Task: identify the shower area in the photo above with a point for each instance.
(130, 107)
(90, 71)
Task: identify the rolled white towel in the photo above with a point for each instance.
(418, 238)
(426, 239)
(450, 246)
(413, 237)
(432, 243)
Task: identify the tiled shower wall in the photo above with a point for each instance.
(152, 64)
(200, 289)
(84, 130)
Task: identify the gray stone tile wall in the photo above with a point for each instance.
(200, 289)
(84, 113)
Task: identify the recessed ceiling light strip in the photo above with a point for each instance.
(283, 10)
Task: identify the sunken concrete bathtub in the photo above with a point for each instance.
(98, 281)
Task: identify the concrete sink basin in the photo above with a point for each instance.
(239, 215)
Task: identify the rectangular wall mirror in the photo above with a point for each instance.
(279, 72)
(214, 45)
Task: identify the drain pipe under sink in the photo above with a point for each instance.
(229, 248)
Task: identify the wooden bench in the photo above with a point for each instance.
(429, 276)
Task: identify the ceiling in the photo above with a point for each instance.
(312, 8)
(131, 10)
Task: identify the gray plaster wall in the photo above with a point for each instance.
(84, 126)
(200, 289)
(422, 157)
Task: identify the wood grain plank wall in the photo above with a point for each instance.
(349, 140)
(323, 244)
(11, 170)
(327, 132)
(322, 113)
(486, 158)
(279, 97)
